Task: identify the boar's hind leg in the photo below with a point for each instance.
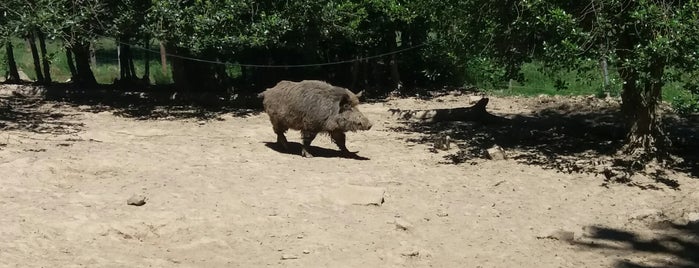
(339, 139)
(281, 139)
(307, 139)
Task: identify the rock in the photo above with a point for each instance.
(289, 257)
(23, 76)
(402, 224)
(442, 213)
(561, 235)
(496, 153)
(649, 213)
(305, 251)
(136, 200)
(411, 253)
(442, 142)
(474, 99)
(357, 195)
(691, 217)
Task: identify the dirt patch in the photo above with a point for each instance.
(218, 194)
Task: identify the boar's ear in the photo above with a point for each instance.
(359, 95)
(345, 103)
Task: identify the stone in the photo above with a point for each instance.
(649, 213)
(496, 153)
(691, 217)
(136, 200)
(402, 224)
(357, 195)
(474, 99)
(411, 253)
(23, 76)
(289, 257)
(561, 235)
(442, 142)
(305, 251)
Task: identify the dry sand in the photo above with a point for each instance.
(217, 195)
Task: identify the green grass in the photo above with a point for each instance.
(536, 82)
(106, 69)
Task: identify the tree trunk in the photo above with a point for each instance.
(630, 97)
(93, 55)
(605, 73)
(179, 76)
(125, 72)
(84, 74)
(71, 63)
(646, 136)
(196, 77)
(640, 99)
(31, 39)
(163, 58)
(131, 65)
(13, 73)
(395, 75)
(146, 66)
(44, 57)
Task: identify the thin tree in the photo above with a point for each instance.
(12, 72)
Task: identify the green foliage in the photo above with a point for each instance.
(686, 104)
(479, 42)
(484, 73)
(684, 95)
(161, 79)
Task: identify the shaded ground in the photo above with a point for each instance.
(578, 134)
(671, 245)
(220, 195)
(154, 102)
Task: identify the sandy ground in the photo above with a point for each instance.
(219, 196)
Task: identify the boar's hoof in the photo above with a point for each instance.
(305, 153)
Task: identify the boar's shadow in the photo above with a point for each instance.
(295, 149)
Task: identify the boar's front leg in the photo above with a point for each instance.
(307, 139)
(339, 138)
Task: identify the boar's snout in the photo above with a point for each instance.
(364, 123)
(352, 120)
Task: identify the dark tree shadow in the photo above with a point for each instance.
(155, 102)
(295, 149)
(567, 137)
(678, 242)
(24, 114)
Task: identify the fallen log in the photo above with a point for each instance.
(475, 113)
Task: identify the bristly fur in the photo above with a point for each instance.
(310, 105)
(313, 107)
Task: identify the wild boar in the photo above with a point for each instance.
(313, 107)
